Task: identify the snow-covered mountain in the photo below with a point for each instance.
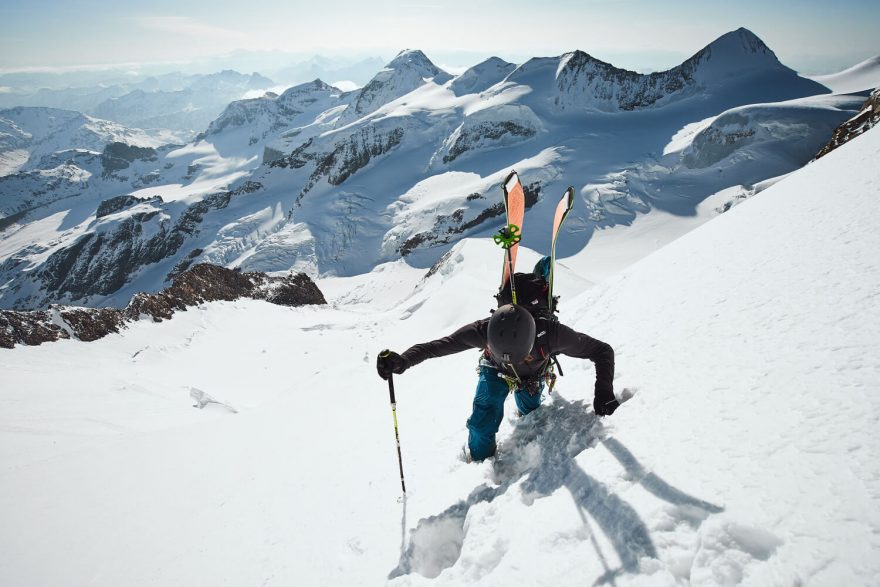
(29, 135)
(183, 103)
(745, 454)
(273, 118)
(331, 182)
(737, 63)
(481, 77)
(190, 109)
(411, 69)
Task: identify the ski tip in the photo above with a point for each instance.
(511, 181)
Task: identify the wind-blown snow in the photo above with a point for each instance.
(746, 453)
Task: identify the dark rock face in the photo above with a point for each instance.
(346, 158)
(486, 131)
(209, 283)
(203, 283)
(628, 89)
(118, 156)
(101, 263)
(862, 122)
(113, 205)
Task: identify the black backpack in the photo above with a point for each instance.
(531, 293)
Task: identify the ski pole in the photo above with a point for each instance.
(396, 434)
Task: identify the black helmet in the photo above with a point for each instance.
(511, 334)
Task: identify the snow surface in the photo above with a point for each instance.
(858, 78)
(30, 134)
(745, 454)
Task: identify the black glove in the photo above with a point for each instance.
(605, 405)
(389, 362)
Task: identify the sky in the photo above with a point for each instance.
(807, 35)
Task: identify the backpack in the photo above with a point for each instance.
(531, 294)
(532, 291)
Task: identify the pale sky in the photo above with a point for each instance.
(807, 35)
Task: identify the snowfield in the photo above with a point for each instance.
(746, 453)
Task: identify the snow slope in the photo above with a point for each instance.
(858, 78)
(746, 453)
(29, 135)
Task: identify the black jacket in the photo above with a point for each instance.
(551, 337)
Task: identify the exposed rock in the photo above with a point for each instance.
(90, 324)
(487, 131)
(862, 122)
(118, 203)
(118, 156)
(347, 157)
(99, 263)
(203, 283)
(209, 283)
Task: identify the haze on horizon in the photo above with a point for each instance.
(810, 36)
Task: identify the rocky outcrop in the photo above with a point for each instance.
(487, 131)
(118, 156)
(210, 283)
(866, 119)
(610, 88)
(494, 127)
(119, 203)
(203, 283)
(345, 158)
(101, 262)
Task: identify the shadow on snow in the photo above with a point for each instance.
(541, 454)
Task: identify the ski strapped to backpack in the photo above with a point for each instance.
(533, 291)
(509, 236)
(562, 209)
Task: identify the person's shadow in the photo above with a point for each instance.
(542, 450)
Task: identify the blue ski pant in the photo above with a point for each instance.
(488, 411)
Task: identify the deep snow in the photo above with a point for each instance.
(745, 454)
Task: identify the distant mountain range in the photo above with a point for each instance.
(182, 103)
(328, 181)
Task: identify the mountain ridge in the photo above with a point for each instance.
(339, 184)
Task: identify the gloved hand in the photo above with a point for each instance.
(389, 362)
(604, 405)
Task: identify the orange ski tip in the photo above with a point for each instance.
(511, 181)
